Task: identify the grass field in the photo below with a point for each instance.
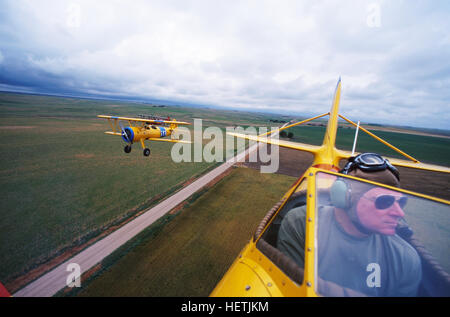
(189, 254)
(64, 181)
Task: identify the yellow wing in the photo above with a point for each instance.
(144, 120)
(169, 140)
(341, 153)
(287, 144)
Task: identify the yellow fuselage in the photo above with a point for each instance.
(144, 133)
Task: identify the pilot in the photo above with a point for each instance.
(358, 248)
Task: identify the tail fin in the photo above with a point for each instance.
(173, 125)
(326, 155)
(329, 139)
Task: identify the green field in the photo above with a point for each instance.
(63, 181)
(188, 254)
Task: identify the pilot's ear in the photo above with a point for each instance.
(340, 194)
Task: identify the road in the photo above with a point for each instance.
(55, 280)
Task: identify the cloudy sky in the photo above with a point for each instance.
(393, 56)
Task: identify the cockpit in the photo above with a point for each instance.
(343, 236)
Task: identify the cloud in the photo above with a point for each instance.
(268, 55)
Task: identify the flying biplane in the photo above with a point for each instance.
(304, 246)
(143, 128)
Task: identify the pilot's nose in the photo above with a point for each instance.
(396, 210)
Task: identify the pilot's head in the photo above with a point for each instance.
(379, 210)
(371, 209)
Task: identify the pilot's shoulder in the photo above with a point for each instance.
(406, 250)
(295, 214)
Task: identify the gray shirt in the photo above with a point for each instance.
(376, 265)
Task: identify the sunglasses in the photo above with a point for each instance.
(386, 201)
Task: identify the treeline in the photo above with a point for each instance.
(284, 134)
(277, 121)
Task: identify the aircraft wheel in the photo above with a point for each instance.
(146, 152)
(127, 148)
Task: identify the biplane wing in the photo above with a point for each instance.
(170, 140)
(144, 120)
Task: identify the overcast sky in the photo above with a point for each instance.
(393, 56)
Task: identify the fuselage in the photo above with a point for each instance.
(136, 134)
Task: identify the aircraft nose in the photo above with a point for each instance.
(127, 134)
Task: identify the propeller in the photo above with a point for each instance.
(124, 133)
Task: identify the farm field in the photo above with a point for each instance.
(64, 182)
(189, 254)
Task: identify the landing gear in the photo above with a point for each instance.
(146, 152)
(127, 148)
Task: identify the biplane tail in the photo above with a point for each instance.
(327, 155)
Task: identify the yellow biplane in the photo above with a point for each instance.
(143, 128)
(303, 246)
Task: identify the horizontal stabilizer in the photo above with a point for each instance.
(287, 144)
(144, 120)
(419, 165)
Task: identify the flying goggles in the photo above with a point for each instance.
(370, 162)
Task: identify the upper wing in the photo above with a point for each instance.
(287, 144)
(143, 120)
(404, 163)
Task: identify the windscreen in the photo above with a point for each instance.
(376, 241)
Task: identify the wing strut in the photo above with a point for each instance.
(381, 140)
